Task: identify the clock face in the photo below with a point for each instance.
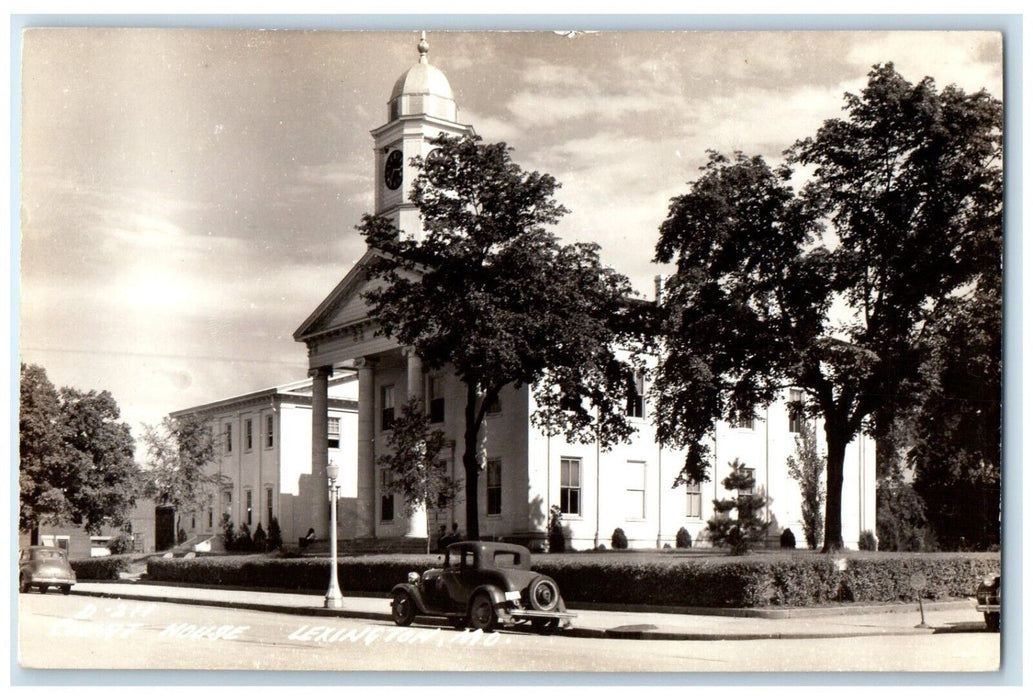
(393, 170)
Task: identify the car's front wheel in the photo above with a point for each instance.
(403, 609)
(66, 589)
(993, 621)
(482, 613)
(44, 588)
(23, 583)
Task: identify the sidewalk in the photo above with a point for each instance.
(811, 623)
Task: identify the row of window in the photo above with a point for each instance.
(249, 434)
(570, 491)
(796, 417)
(436, 392)
(227, 508)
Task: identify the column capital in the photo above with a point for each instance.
(324, 371)
(364, 363)
(409, 351)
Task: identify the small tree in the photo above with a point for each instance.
(243, 541)
(683, 540)
(412, 458)
(275, 536)
(260, 540)
(747, 526)
(229, 538)
(178, 450)
(557, 541)
(807, 468)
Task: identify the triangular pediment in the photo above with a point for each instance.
(344, 305)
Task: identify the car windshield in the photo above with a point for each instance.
(48, 554)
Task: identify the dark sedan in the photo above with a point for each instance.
(44, 567)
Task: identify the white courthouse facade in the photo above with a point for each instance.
(359, 380)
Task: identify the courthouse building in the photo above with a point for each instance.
(629, 486)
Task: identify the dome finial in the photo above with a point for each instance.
(423, 47)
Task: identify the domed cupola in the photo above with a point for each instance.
(423, 89)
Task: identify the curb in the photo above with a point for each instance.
(577, 632)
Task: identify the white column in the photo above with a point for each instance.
(320, 512)
(366, 491)
(416, 524)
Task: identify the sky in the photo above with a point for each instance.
(188, 197)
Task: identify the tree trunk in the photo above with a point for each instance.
(34, 536)
(470, 465)
(836, 445)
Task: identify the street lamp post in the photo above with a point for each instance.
(333, 593)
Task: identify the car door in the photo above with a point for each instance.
(460, 576)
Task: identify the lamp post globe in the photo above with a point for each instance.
(334, 599)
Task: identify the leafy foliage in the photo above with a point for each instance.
(901, 518)
(807, 468)
(275, 535)
(76, 458)
(413, 460)
(682, 540)
(557, 539)
(619, 540)
(178, 450)
(747, 527)
(489, 292)
(900, 213)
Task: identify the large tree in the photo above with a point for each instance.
(76, 458)
(832, 289)
(178, 451)
(489, 292)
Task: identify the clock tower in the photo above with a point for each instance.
(421, 108)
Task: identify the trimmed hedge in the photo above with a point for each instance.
(763, 580)
(101, 568)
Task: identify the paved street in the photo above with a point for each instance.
(90, 632)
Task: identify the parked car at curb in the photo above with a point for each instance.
(482, 585)
(988, 601)
(44, 567)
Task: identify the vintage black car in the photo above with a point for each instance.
(988, 601)
(44, 567)
(482, 585)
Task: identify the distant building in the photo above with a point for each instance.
(263, 457)
(80, 544)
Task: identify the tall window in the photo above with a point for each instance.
(268, 506)
(387, 498)
(248, 436)
(795, 411)
(636, 396)
(269, 431)
(494, 482)
(387, 407)
(229, 437)
(635, 491)
(437, 399)
(693, 500)
(248, 504)
(570, 486)
(227, 505)
(333, 433)
(745, 501)
(752, 473)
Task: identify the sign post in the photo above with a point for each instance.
(918, 583)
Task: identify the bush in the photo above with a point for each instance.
(557, 541)
(229, 538)
(259, 539)
(121, 543)
(275, 536)
(683, 540)
(867, 542)
(242, 542)
(760, 580)
(101, 568)
(619, 540)
(787, 540)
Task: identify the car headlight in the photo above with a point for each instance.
(989, 581)
(414, 578)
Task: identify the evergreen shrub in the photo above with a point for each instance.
(619, 540)
(683, 540)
